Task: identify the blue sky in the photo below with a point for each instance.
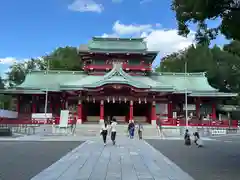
(33, 28)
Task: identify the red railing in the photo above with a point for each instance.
(164, 122)
(182, 122)
(55, 120)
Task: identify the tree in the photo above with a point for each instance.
(5, 100)
(63, 58)
(18, 70)
(222, 66)
(198, 11)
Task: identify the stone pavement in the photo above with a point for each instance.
(128, 160)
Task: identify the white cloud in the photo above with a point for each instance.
(85, 6)
(7, 60)
(122, 29)
(145, 1)
(166, 41)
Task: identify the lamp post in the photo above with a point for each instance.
(186, 100)
(46, 94)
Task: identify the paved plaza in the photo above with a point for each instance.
(128, 160)
(218, 160)
(22, 160)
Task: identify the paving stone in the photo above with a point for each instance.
(129, 159)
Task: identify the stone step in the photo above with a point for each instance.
(94, 130)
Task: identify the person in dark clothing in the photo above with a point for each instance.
(131, 128)
(140, 130)
(187, 139)
(197, 139)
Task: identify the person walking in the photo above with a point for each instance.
(159, 128)
(131, 129)
(187, 139)
(113, 130)
(197, 139)
(104, 132)
(73, 125)
(140, 130)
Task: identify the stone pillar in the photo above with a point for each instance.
(214, 116)
(198, 107)
(62, 103)
(170, 110)
(66, 103)
(33, 104)
(79, 112)
(101, 112)
(50, 104)
(153, 114)
(18, 105)
(131, 111)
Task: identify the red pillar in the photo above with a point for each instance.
(131, 111)
(101, 111)
(153, 114)
(198, 107)
(214, 116)
(79, 112)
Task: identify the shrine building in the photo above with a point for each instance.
(117, 79)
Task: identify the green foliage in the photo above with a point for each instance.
(63, 58)
(198, 11)
(222, 66)
(66, 58)
(5, 100)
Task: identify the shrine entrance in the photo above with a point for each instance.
(142, 112)
(120, 110)
(92, 111)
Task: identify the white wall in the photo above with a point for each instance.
(8, 114)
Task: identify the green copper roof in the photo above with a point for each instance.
(195, 84)
(51, 81)
(117, 44)
(117, 76)
(212, 94)
(190, 82)
(21, 91)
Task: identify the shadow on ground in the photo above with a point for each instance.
(216, 161)
(23, 160)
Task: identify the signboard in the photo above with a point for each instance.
(41, 116)
(219, 131)
(190, 107)
(8, 114)
(64, 119)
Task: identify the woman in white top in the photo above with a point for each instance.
(113, 131)
(104, 132)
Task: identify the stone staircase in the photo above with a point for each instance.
(94, 130)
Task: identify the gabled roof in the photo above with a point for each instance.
(118, 76)
(182, 82)
(116, 45)
(196, 84)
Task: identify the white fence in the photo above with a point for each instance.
(8, 114)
